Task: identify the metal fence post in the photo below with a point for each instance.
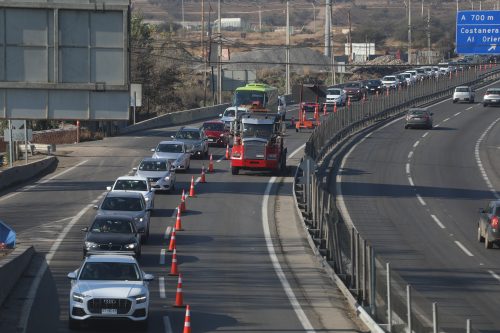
(389, 308)
(353, 259)
(408, 308)
(308, 186)
(364, 272)
(434, 318)
(373, 282)
(467, 326)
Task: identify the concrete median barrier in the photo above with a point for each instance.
(12, 267)
(21, 173)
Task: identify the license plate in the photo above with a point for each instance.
(494, 100)
(211, 140)
(109, 311)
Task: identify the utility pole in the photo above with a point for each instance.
(219, 58)
(422, 9)
(327, 27)
(330, 37)
(409, 31)
(260, 18)
(182, 14)
(314, 17)
(287, 54)
(457, 6)
(203, 52)
(350, 39)
(428, 36)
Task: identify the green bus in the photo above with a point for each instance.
(256, 94)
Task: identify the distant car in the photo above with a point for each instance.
(159, 172)
(491, 97)
(130, 204)
(464, 93)
(403, 83)
(309, 106)
(110, 286)
(421, 74)
(230, 114)
(335, 96)
(282, 107)
(390, 82)
(355, 90)
(488, 228)
(216, 132)
(113, 233)
(134, 184)
(175, 152)
(195, 139)
(418, 117)
(410, 79)
(374, 86)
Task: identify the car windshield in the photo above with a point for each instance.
(260, 130)
(110, 271)
(493, 91)
(334, 91)
(352, 85)
(129, 204)
(188, 135)
(389, 78)
(169, 148)
(462, 89)
(131, 185)
(229, 113)
(417, 112)
(213, 126)
(153, 166)
(113, 226)
(249, 98)
(374, 82)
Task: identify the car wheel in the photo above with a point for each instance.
(406, 126)
(454, 101)
(480, 237)
(487, 243)
(485, 104)
(472, 100)
(235, 170)
(73, 324)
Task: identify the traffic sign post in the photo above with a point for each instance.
(478, 32)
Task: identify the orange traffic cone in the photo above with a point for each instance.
(173, 269)
(179, 300)
(172, 246)
(183, 201)
(187, 321)
(211, 164)
(324, 109)
(335, 108)
(178, 223)
(202, 178)
(191, 189)
(227, 152)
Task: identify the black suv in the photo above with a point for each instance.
(113, 234)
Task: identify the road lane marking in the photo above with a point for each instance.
(425, 134)
(163, 253)
(296, 151)
(416, 144)
(463, 248)
(470, 107)
(167, 232)
(422, 202)
(28, 304)
(494, 275)
(457, 114)
(27, 188)
(441, 225)
(410, 180)
(410, 154)
(445, 120)
(277, 267)
(161, 286)
(166, 324)
(436, 125)
(480, 163)
(408, 168)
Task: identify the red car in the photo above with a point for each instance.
(216, 132)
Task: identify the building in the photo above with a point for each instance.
(235, 23)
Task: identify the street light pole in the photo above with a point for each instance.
(219, 65)
(314, 17)
(287, 55)
(409, 31)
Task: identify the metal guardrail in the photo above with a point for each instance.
(383, 293)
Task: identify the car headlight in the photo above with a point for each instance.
(167, 178)
(78, 297)
(139, 219)
(131, 246)
(90, 245)
(146, 198)
(140, 298)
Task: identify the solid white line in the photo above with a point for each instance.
(162, 256)
(457, 114)
(161, 286)
(277, 267)
(422, 202)
(408, 168)
(166, 323)
(494, 275)
(463, 248)
(411, 181)
(438, 222)
(24, 189)
(167, 232)
(410, 154)
(296, 151)
(416, 144)
(480, 163)
(445, 120)
(436, 125)
(425, 134)
(28, 304)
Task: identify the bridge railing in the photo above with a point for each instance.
(383, 294)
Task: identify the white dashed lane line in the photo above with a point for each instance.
(494, 275)
(167, 232)
(163, 253)
(425, 134)
(408, 168)
(463, 248)
(410, 154)
(411, 181)
(445, 120)
(457, 114)
(470, 107)
(416, 144)
(161, 286)
(422, 202)
(438, 222)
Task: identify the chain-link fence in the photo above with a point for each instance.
(383, 293)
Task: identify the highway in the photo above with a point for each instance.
(228, 276)
(415, 194)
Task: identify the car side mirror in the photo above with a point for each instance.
(85, 229)
(108, 188)
(148, 277)
(172, 136)
(152, 149)
(220, 115)
(72, 276)
(134, 169)
(95, 207)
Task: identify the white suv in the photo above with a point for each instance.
(134, 184)
(109, 286)
(464, 93)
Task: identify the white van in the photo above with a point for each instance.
(230, 114)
